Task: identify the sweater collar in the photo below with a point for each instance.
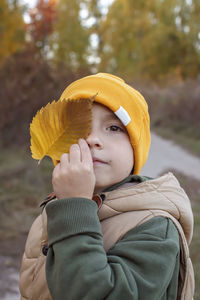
(129, 179)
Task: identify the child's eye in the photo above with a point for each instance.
(114, 128)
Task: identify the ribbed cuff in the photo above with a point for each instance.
(67, 217)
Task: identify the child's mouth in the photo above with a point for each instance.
(98, 161)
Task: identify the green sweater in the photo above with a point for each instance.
(143, 265)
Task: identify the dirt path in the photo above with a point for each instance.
(10, 259)
(164, 155)
(9, 287)
(8, 279)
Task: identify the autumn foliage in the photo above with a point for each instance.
(42, 18)
(12, 29)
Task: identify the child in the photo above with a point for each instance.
(111, 233)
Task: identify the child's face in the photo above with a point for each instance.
(110, 147)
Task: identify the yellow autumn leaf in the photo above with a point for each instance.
(58, 125)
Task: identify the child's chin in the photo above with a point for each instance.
(100, 183)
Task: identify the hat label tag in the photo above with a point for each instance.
(123, 115)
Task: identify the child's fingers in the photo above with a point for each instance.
(64, 160)
(55, 172)
(56, 168)
(74, 154)
(85, 152)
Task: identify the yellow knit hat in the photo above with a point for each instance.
(127, 103)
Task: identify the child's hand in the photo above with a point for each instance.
(74, 175)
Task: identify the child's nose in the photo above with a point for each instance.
(94, 141)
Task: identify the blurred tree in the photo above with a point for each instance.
(12, 28)
(94, 18)
(122, 37)
(151, 38)
(70, 39)
(174, 47)
(42, 17)
(190, 21)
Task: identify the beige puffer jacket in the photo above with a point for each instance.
(121, 210)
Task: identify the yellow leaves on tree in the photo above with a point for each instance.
(70, 41)
(59, 125)
(151, 39)
(12, 29)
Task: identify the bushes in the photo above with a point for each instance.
(27, 82)
(176, 107)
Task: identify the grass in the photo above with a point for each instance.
(23, 186)
(184, 138)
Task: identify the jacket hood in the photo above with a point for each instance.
(163, 194)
